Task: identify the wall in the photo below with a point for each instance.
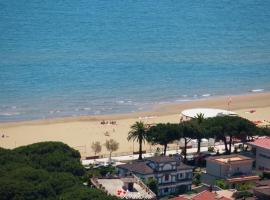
(214, 169)
(262, 159)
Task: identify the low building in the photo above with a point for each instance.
(262, 151)
(125, 188)
(206, 112)
(204, 195)
(171, 174)
(262, 190)
(234, 169)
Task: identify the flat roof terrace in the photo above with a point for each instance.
(225, 160)
(229, 159)
(114, 186)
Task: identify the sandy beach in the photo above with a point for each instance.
(80, 132)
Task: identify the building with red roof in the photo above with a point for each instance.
(262, 150)
(204, 195)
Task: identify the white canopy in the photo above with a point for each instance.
(207, 112)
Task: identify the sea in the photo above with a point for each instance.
(91, 57)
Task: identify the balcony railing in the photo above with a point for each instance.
(175, 182)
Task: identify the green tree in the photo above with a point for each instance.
(226, 128)
(196, 180)
(138, 133)
(186, 132)
(163, 134)
(96, 147)
(47, 170)
(111, 145)
(222, 184)
(152, 184)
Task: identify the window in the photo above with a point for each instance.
(159, 180)
(167, 167)
(180, 175)
(167, 176)
(166, 190)
(264, 156)
(189, 175)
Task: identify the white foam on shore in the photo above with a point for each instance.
(182, 100)
(97, 112)
(257, 90)
(206, 95)
(9, 113)
(54, 111)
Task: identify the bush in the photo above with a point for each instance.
(245, 186)
(211, 149)
(196, 179)
(222, 184)
(101, 171)
(243, 195)
(266, 175)
(153, 185)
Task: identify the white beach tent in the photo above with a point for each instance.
(207, 113)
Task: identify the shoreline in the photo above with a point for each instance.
(157, 109)
(80, 132)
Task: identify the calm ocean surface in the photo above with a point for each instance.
(72, 58)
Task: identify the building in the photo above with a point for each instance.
(204, 195)
(129, 187)
(262, 151)
(234, 169)
(171, 174)
(207, 113)
(262, 190)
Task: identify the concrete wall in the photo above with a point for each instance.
(222, 171)
(262, 159)
(245, 168)
(214, 169)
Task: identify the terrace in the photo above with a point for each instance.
(127, 188)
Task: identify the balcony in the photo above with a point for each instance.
(177, 182)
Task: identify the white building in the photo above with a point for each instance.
(262, 151)
(234, 169)
(207, 113)
(171, 174)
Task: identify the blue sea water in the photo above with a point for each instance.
(71, 58)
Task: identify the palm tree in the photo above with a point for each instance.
(199, 132)
(138, 133)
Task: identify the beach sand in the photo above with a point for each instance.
(80, 132)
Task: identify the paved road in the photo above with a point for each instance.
(119, 159)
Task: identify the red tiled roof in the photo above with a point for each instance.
(179, 198)
(243, 179)
(205, 195)
(224, 198)
(261, 142)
